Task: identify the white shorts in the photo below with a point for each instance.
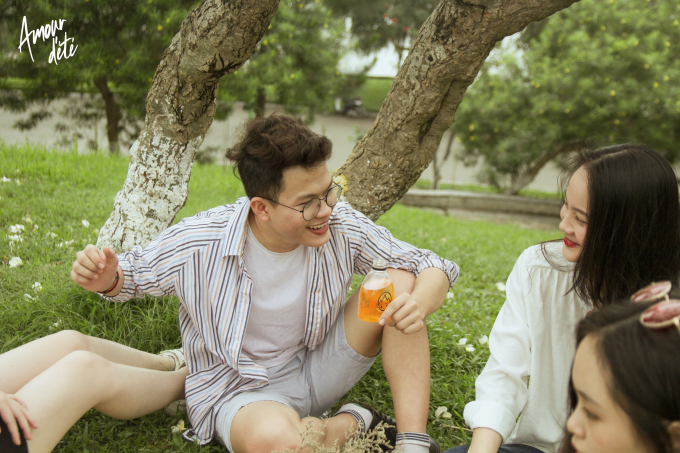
(309, 383)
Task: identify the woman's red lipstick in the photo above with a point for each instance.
(568, 243)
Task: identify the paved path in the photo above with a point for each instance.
(341, 130)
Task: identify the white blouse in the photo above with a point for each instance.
(532, 346)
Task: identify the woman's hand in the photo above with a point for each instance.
(14, 413)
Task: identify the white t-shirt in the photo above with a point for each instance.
(534, 335)
(276, 322)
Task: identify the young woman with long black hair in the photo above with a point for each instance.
(621, 225)
(624, 391)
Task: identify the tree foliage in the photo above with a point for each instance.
(595, 73)
(120, 44)
(295, 63)
(376, 24)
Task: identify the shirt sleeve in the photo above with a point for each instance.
(501, 388)
(378, 242)
(153, 269)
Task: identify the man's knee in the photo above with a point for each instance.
(264, 427)
(403, 281)
(278, 435)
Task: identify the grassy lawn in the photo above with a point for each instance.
(373, 92)
(55, 192)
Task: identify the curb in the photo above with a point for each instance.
(475, 201)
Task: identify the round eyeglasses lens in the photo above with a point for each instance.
(662, 312)
(311, 209)
(652, 292)
(334, 196)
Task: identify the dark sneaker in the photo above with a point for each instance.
(389, 423)
(434, 446)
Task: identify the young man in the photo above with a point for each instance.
(270, 341)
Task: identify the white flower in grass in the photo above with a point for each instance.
(449, 296)
(52, 235)
(85, 223)
(178, 428)
(483, 340)
(15, 262)
(462, 341)
(65, 243)
(5, 179)
(28, 297)
(442, 412)
(56, 325)
(36, 227)
(18, 182)
(27, 218)
(16, 228)
(500, 286)
(37, 287)
(15, 238)
(470, 349)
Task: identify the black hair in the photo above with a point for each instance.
(270, 145)
(642, 368)
(633, 232)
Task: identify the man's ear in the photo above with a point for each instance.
(674, 430)
(260, 208)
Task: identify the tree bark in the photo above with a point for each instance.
(261, 101)
(444, 60)
(112, 114)
(437, 166)
(215, 39)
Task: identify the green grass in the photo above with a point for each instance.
(373, 92)
(59, 190)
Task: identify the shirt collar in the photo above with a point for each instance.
(235, 237)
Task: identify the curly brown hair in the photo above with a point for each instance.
(270, 145)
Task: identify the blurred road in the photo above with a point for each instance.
(342, 131)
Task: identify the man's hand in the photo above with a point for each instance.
(403, 314)
(14, 413)
(94, 269)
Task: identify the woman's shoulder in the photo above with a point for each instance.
(547, 255)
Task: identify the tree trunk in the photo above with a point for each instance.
(444, 60)
(112, 114)
(215, 39)
(261, 101)
(437, 166)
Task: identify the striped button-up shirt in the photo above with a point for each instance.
(200, 259)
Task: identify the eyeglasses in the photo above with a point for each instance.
(312, 207)
(653, 292)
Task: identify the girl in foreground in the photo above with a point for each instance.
(621, 228)
(624, 389)
(48, 384)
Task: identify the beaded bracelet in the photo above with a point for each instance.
(104, 293)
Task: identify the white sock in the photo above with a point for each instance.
(362, 415)
(412, 443)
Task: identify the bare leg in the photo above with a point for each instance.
(22, 364)
(267, 426)
(406, 358)
(61, 394)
